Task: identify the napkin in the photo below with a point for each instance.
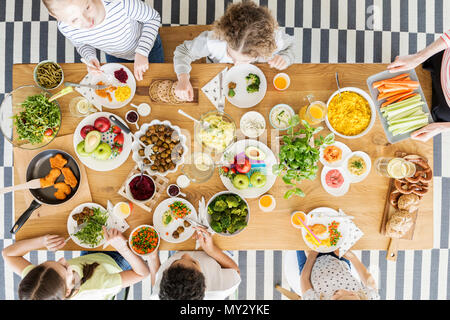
(88, 93)
(353, 233)
(212, 88)
(202, 212)
(114, 221)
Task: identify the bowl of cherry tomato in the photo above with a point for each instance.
(144, 240)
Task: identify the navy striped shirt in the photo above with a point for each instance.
(129, 27)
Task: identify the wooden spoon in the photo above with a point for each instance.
(32, 184)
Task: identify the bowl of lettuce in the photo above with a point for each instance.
(227, 213)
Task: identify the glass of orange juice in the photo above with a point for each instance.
(315, 112)
(281, 81)
(294, 219)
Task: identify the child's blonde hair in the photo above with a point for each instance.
(248, 28)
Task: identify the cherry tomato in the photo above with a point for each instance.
(48, 132)
(116, 129)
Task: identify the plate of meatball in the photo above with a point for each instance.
(165, 147)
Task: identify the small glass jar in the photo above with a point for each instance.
(81, 107)
(315, 112)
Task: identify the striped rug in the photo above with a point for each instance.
(335, 31)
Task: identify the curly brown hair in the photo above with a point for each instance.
(248, 28)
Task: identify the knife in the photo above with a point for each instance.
(92, 86)
(196, 223)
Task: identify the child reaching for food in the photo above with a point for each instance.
(246, 33)
(126, 30)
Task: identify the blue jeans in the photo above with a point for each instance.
(156, 55)
(301, 259)
(123, 264)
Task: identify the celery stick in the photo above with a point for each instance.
(400, 110)
(417, 97)
(407, 119)
(407, 124)
(387, 111)
(409, 113)
(413, 128)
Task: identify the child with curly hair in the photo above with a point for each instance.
(246, 33)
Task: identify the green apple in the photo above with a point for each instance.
(80, 150)
(258, 180)
(241, 181)
(103, 151)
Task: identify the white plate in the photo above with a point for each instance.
(109, 68)
(171, 227)
(337, 192)
(135, 146)
(365, 156)
(371, 106)
(256, 116)
(243, 99)
(345, 152)
(90, 161)
(72, 224)
(324, 219)
(269, 160)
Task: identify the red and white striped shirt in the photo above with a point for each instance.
(445, 71)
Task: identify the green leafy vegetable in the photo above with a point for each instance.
(231, 216)
(92, 233)
(37, 118)
(299, 156)
(253, 83)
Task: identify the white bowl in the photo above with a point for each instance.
(367, 160)
(135, 146)
(208, 216)
(131, 236)
(372, 109)
(130, 195)
(256, 115)
(337, 192)
(288, 107)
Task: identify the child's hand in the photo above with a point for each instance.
(115, 238)
(140, 66)
(97, 66)
(204, 239)
(428, 131)
(54, 242)
(278, 62)
(184, 89)
(404, 63)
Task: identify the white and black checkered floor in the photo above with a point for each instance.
(344, 31)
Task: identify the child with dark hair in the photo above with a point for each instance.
(92, 276)
(195, 275)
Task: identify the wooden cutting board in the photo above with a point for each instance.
(21, 159)
(143, 91)
(388, 211)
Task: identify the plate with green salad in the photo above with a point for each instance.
(28, 119)
(85, 225)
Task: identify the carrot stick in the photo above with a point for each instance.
(397, 98)
(381, 82)
(407, 96)
(392, 94)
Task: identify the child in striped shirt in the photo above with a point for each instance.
(246, 33)
(436, 59)
(126, 30)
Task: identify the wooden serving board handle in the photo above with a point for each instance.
(392, 251)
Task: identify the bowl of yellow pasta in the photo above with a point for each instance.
(350, 114)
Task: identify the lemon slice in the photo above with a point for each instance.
(83, 106)
(202, 162)
(397, 169)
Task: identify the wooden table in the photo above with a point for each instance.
(273, 231)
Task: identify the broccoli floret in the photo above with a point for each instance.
(253, 83)
(231, 93)
(232, 201)
(225, 221)
(220, 205)
(215, 216)
(236, 211)
(216, 226)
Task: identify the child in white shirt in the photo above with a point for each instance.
(246, 33)
(126, 30)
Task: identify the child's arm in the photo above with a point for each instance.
(305, 282)
(189, 51)
(13, 254)
(286, 51)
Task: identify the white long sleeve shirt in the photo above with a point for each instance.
(129, 27)
(205, 45)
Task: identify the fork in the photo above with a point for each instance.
(221, 102)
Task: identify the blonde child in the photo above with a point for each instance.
(246, 33)
(126, 30)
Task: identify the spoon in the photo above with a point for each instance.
(337, 83)
(203, 124)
